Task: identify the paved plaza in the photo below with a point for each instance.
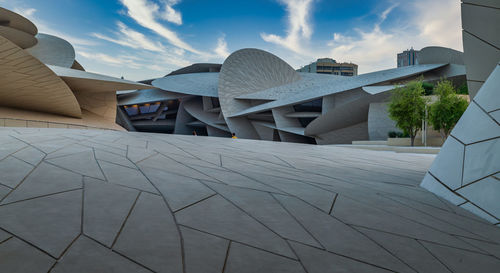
(107, 201)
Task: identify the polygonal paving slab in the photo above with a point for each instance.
(13, 170)
(125, 176)
(409, 251)
(150, 236)
(460, 261)
(245, 259)
(46, 179)
(317, 261)
(281, 208)
(17, 256)
(51, 223)
(86, 256)
(83, 163)
(106, 206)
(30, 155)
(179, 191)
(204, 253)
(348, 241)
(265, 208)
(218, 216)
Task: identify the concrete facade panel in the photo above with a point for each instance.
(53, 50)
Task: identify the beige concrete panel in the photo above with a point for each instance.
(88, 119)
(102, 104)
(76, 65)
(37, 124)
(18, 37)
(91, 82)
(57, 125)
(77, 127)
(17, 21)
(487, 28)
(2, 122)
(15, 123)
(53, 50)
(28, 84)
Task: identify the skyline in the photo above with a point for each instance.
(141, 39)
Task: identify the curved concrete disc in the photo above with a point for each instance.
(17, 21)
(18, 37)
(28, 84)
(53, 50)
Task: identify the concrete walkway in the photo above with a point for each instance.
(105, 201)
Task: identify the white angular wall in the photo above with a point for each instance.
(467, 170)
(481, 37)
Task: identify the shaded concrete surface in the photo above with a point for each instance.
(107, 201)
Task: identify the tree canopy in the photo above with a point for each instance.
(407, 108)
(447, 110)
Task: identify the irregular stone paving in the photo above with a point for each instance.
(106, 201)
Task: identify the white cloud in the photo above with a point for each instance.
(146, 14)
(431, 23)
(386, 12)
(44, 27)
(104, 58)
(28, 12)
(419, 24)
(170, 14)
(439, 22)
(131, 38)
(221, 49)
(299, 29)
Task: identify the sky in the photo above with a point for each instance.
(144, 39)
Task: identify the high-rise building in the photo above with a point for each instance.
(408, 57)
(330, 66)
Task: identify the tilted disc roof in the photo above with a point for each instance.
(28, 84)
(17, 21)
(92, 82)
(198, 84)
(53, 50)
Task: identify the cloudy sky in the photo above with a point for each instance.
(141, 39)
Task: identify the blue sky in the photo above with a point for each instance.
(141, 39)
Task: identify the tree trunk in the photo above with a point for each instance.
(443, 134)
(412, 140)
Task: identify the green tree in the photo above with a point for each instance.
(447, 110)
(428, 88)
(407, 108)
(463, 89)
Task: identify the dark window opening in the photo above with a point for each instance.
(305, 121)
(311, 106)
(215, 102)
